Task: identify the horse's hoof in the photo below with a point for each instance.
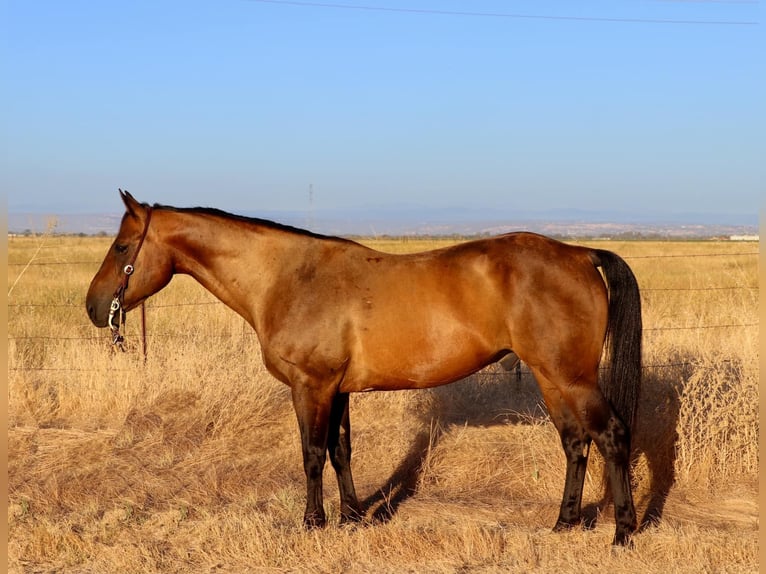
(350, 518)
(623, 540)
(564, 526)
(314, 521)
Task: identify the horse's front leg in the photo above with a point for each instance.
(313, 412)
(339, 447)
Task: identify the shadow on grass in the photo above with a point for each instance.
(491, 397)
(655, 436)
(495, 396)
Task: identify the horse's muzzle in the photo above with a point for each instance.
(98, 311)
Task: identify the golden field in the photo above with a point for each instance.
(191, 461)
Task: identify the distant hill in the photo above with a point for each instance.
(419, 221)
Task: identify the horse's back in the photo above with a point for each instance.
(434, 317)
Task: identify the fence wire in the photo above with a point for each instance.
(249, 333)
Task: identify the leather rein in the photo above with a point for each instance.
(117, 308)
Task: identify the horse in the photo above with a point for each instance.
(335, 317)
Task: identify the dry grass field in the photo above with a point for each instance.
(191, 462)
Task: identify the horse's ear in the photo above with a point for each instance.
(134, 207)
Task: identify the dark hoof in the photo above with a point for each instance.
(314, 521)
(623, 539)
(351, 517)
(565, 526)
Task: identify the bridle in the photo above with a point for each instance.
(117, 308)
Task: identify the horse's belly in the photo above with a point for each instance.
(408, 362)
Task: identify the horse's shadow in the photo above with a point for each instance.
(656, 435)
(495, 396)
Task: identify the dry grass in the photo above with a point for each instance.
(191, 463)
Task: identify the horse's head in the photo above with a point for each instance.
(136, 266)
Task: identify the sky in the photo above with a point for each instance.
(626, 106)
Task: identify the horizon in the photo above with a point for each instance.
(442, 222)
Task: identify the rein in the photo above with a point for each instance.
(117, 308)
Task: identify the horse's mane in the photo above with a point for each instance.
(255, 221)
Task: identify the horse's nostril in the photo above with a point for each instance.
(92, 313)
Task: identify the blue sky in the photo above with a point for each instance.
(632, 106)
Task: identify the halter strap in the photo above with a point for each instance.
(129, 268)
(117, 307)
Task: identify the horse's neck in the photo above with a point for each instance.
(231, 259)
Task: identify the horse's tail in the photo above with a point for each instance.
(621, 384)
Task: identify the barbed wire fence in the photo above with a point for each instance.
(246, 333)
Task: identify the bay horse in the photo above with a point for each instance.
(335, 317)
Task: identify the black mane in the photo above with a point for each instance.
(248, 220)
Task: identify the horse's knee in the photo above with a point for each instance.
(576, 445)
(313, 462)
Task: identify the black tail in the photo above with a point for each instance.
(622, 383)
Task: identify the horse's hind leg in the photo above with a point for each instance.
(597, 420)
(576, 448)
(612, 437)
(576, 444)
(339, 448)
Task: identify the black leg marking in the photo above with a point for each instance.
(576, 447)
(614, 443)
(313, 418)
(339, 448)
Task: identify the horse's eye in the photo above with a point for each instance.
(120, 248)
